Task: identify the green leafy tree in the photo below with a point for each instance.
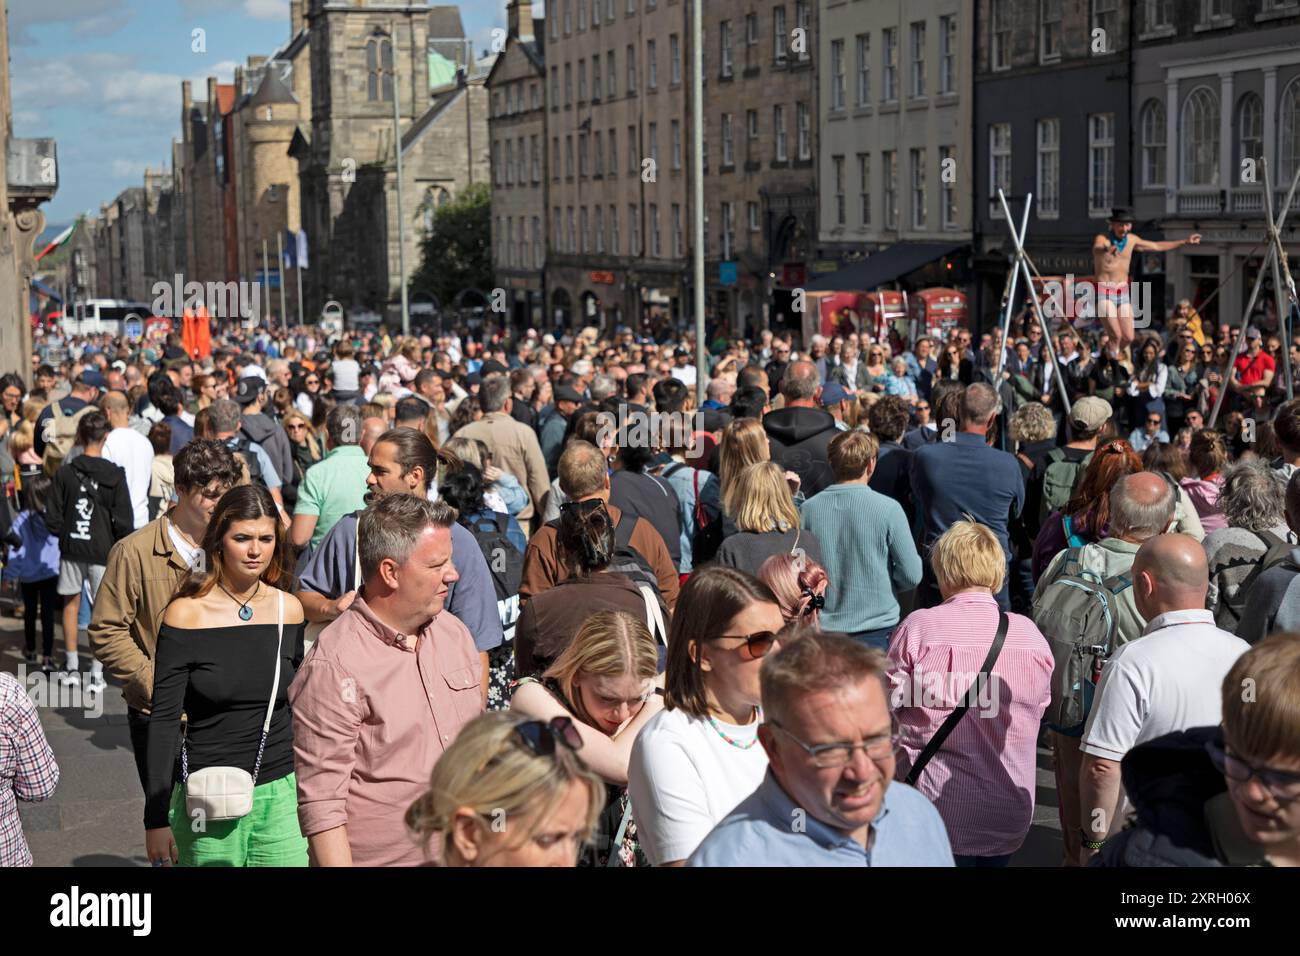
(457, 254)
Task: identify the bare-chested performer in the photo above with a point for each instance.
(1112, 253)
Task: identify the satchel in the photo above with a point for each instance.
(226, 793)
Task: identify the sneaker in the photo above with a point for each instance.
(96, 683)
(47, 665)
(30, 658)
(70, 679)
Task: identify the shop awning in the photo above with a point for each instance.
(42, 289)
(883, 267)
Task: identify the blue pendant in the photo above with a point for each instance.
(245, 613)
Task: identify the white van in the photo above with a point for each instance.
(96, 316)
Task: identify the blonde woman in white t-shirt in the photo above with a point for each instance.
(694, 762)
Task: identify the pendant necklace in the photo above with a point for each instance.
(245, 612)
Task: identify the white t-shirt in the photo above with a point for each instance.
(189, 554)
(684, 374)
(1169, 679)
(347, 375)
(683, 778)
(133, 453)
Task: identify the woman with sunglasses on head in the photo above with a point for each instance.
(699, 758)
(604, 681)
(509, 792)
(1227, 795)
(982, 777)
(799, 584)
(229, 636)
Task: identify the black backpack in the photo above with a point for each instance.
(707, 538)
(504, 562)
(1276, 551)
(243, 448)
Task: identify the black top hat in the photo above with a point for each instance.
(1121, 214)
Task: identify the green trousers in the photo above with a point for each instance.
(267, 836)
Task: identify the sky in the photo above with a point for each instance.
(103, 78)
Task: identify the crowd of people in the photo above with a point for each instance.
(467, 601)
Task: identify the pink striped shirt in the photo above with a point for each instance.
(982, 779)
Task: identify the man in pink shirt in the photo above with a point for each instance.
(383, 692)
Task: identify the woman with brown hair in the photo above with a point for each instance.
(695, 761)
(230, 642)
(205, 390)
(1207, 457)
(1086, 515)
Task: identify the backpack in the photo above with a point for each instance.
(1276, 551)
(61, 436)
(243, 449)
(707, 538)
(506, 564)
(1059, 479)
(91, 518)
(1078, 613)
(629, 562)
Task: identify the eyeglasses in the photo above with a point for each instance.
(313, 381)
(756, 645)
(1284, 786)
(1153, 421)
(295, 427)
(540, 737)
(839, 754)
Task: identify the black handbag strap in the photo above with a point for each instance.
(949, 725)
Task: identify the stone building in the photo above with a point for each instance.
(1052, 117)
(895, 163)
(363, 57)
(1214, 86)
(206, 174)
(618, 182)
(517, 128)
(760, 136)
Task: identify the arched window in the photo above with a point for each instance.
(379, 69)
(1250, 129)
(1289, 132)
(1200, 138)
(1153, 144)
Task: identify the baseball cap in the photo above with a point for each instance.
(833, 393)
(93, 378)
(567, 393)
(1090, 413)
(248, 389)
(1252, 333)
(681, 353)
(492, 366)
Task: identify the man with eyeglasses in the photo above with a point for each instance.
(780, 362)
(1164, 682)
(1225, 795)
(828, 798)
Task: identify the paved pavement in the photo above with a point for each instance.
(95, 817)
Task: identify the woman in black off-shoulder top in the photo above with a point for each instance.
(216, 661)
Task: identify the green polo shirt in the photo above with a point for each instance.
(333, 487)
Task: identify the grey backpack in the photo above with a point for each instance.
(1078, 612)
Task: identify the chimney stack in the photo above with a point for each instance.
(520, 19)
(295, 17)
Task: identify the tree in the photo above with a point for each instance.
(457, 254)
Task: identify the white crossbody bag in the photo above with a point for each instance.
(226, 793)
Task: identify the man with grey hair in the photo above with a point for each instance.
(800, 432)
(603, 386)
(227, 420)
(383, 691)
(514, 446)
(336, 485)
(720, 391)
(828, 798)
(1142, 506)
(1253, 499)
(965, 476)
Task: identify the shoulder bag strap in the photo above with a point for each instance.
(699, 508)
(275, 686)
(614, 859)
(959, 712)
(356, 559)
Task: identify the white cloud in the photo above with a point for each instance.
(128, 168)
(267, 9)
(84, 17)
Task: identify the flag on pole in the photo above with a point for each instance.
(60, 240)
(302, 249)
(289, 260)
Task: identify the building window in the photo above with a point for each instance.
(582, 15)
(780, 40)
(651, 66)
(1289, 132)
(751, 40)
(555, 159)
(1049, 168)
(611, 75)
(632, 166)
(889, 65)
(724, 41)
(728, 144)
(599, 213)
(584, 154)
(558, 219)
(554, 17)
(510, 162)
(679, 240)
(573, 232)
(801, 22)
(631, 70)
(778, 125)
(595, 78)
(1158, 14)
(751, 211)
(947, 189)
(379, 69)
(600, 154)
(1101, 164)
(1105, 17)
(918, 189)
(804, 118)
(947, 55)
(918, 59)
(613, 154)
(568, 158)
(837, 75)
(751, 127)
(652, 134)
(677, 144)
(595, 13)
(535, 90)
(728, 231)
(568, 84)
(1000, 33)
(1049, 30)
(1200, 135)
(586, 230)
(675, 59)
(837, 163)
(582, 81)
(999, 164)
(555, 87)
(613, 229)
(864, 188)
(656, 241)
(1153, 144)
(890, 159)
(1213, 10)
(1250, 128)
(496, 164)
(537, 242)
(631, 7)
(633, 229)
(864, 70)
(523, 161)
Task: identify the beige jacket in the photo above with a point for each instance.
(515, 449)
(144, 569)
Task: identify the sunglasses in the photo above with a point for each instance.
(756, 645)
(922, 408)
(541, 737)
(1153, 421)
(1283, 785)
(313, 381)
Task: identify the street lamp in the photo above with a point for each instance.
(397, 149)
